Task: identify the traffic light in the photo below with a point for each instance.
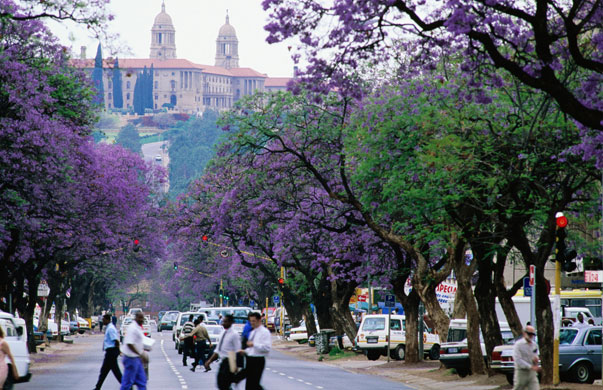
(175, 266)
(136, 245)
(562, 254)
(281, 281)
(204, 240)
(221, 293)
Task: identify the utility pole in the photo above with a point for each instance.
(282, 305)
(221, 292)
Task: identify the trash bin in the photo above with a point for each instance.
(322, 341)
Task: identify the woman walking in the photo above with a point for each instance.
(4, 352)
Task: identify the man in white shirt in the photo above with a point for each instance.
(227, 348)
(258, 347)
(525, 357)
(134, 356)
(580, 323)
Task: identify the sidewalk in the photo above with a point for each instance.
(59, 352)
(427, 374)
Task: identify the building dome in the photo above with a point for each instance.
(227, 30)
(163, 18)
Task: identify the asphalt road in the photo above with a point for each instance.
(153, 149)
(167, 373)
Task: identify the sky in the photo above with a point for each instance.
(197, 23)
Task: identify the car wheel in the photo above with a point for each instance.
(373, 355)
(398, 353)
(81, 331)
(510, 378)
(434, 352)
(583, 373)
(462, 372)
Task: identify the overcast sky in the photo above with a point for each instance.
(197, 23)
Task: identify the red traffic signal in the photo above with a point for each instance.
(281, 281)
(561, 221)
(136, 245)
(204, 238)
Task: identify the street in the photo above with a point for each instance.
(166, 372)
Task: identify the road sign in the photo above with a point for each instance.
(251, 303)
(390, 300)
(43, 289)
(276, 299)
(362, 298)
(532, 274)
(527, 288)
(593, 276)
(240, 302)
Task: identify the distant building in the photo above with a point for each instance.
(181, 84)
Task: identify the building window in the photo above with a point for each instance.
(128, 96)
(110, 96)
(156, 97)
(173, 73)
(159, 37)
(127, 85)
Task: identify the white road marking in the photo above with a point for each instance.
(183, 384)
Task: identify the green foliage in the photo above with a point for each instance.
(107, 121)
(128, 138)
(192, 147)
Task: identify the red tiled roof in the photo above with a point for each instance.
(277, 81)
(215, 70)
(246, 72)
(139, 63)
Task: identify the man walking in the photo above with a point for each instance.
(188, 345)
(202, 342)
(111, 347)
(258, 347)
(134, 356)
(228, 346)
(525, 355)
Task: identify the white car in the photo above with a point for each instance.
(180, 321)
(215, 333)
(300, 333)
(373, 333)
(124, 327)
(83, 325)
(16, 337)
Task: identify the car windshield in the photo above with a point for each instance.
(567, 336)
(169, 317)
(507, 337)
(374, 324)
(456, 335)
(185, 318)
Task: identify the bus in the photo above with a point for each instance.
(590, 299)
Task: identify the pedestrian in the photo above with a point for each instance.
(580, 323)
(591, 322)
(188, 344)
(258, 347)
(100, 322)
(202, 342)
(114, 320)
(4, 353)
(111, 347)
(245, 335)
(525, 356)
(134, 356)
(227, 349)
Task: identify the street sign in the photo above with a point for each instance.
(276, 299)
(362, 298)
(390, 300)
(593, 276)
(240, 302)
(527, 288)
(532, 274)
(251, 303)
(43, 289)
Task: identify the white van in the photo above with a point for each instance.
(372, 337)
(16, 337)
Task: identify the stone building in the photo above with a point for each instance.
(181, 84)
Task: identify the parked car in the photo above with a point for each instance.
(16, 338)
(300, 333)
(454, 353)
(215, 333)
(83, 325)
(167, 321)
(579, 355)
(501, 360)
(73, 327)
(372, 337)
(146, 328)
(347, 343)
(269, 313)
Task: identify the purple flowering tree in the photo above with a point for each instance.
(528, 40)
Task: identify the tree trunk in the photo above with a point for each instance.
(410, 303)
(438, 316)
(341, 292)
(310, 320)
(464, 273)
(545, 327)
(505, 296)
(485, 294)
(459, 307)
(323, 302)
